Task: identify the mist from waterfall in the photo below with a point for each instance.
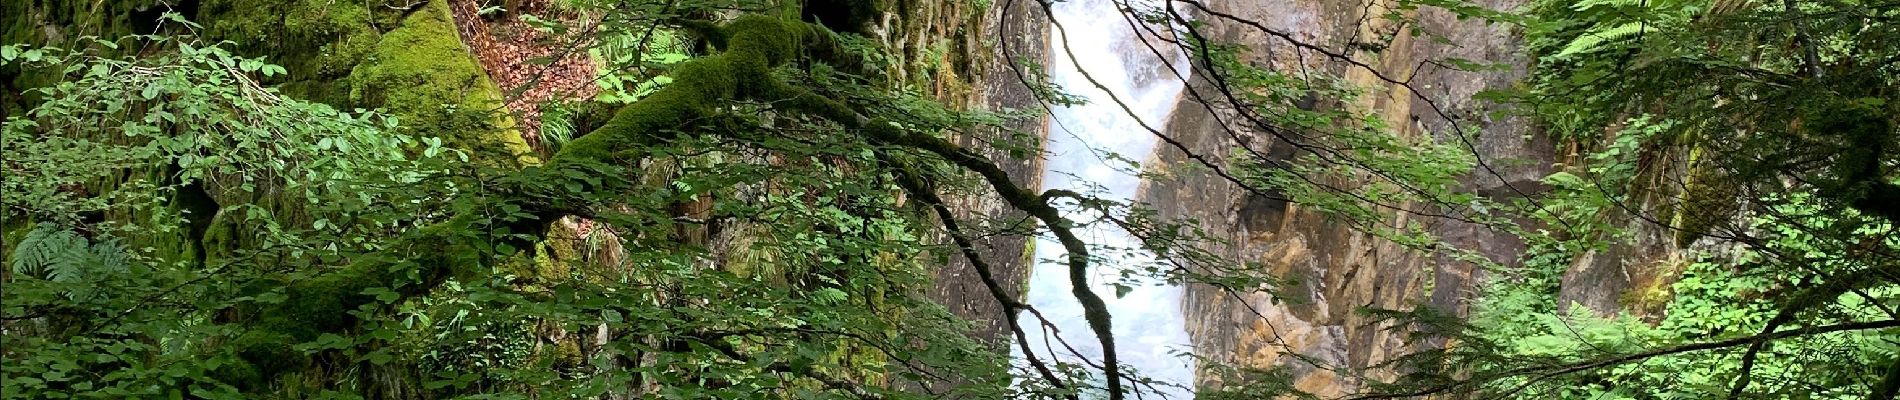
(1148, 326)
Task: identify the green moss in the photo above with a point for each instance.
(1709, 198)
(309, 309)
(170, 246)
(846, 15)
(759, 43)
(317, 41)
(423, 74)
(12, 231)
(756, 45)
(698, 85)
(220, 238)
(58, 23)
(1652, 288)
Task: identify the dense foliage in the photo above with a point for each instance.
(752, 207)
(178, 229)
(1757, 136)
(1749, 144)
(1729, 162)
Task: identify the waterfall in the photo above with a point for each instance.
(1148, 325)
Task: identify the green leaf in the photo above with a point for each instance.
(383, 294)
(611, 316)
(379, 357)
(1564, 179)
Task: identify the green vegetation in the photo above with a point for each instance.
(1725, 171)
(318, 199)
(1776, 117)
(420, 72)
(1732, 169)
(352, 254)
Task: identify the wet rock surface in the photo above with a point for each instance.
(1015, 30)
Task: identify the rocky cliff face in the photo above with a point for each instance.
(1339, 270)
(1008, 32)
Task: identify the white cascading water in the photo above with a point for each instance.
(1148, 326)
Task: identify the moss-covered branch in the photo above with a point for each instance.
(466, 244)
(753, 47)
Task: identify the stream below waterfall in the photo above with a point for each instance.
(1083, 146)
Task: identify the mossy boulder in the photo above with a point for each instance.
(422, 73)
(317, 41)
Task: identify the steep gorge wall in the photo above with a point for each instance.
(1004, 33)
(1338, 270)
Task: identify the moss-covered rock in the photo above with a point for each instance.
(317, 41)
(1709, 198)
(422, 73)
(59, 23)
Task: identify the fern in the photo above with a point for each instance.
(48, 252)
(57, 254)
(557, 125)
(1596, 38)
(1586, 5)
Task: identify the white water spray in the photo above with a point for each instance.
(1148, 325)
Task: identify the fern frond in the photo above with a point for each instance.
(1596, 38)
(45, 251)
(58, 254)
(1586, 5)
(110, 256)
